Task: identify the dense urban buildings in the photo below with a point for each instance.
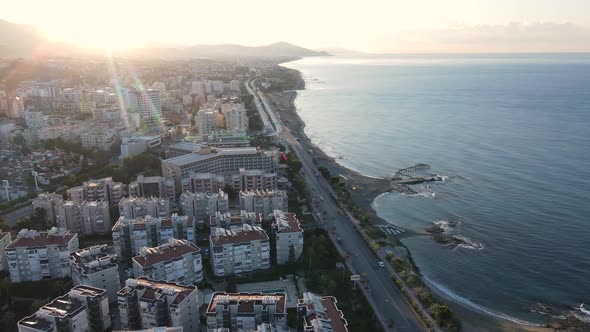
(138, 207)
(33, 255)
(96, 266)
(84, 218)
(130, 235)
(147, 103)
(145, 303)
(288, 236)
(177, 260)
(239, 251)
(201, 205)
(244, 179)
(263, 201)
(83, 308)
(319, 314)
(219, 161)
(246, 311)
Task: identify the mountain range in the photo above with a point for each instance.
(18, 40)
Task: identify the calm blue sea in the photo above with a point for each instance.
(512, 133)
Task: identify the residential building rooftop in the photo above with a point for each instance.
(32, 238)
(247, 301)
(247, 234)
(166, 252)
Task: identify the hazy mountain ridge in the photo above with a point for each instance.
(17, 40)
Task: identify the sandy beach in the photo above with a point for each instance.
(367, 188)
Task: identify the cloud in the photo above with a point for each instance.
(508, 37)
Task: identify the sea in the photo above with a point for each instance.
(510, 134)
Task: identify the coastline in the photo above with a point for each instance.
(368, 188)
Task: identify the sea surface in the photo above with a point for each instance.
(511, 133)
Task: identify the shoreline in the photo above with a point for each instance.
(368, 189)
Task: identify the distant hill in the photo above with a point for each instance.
(17, 40)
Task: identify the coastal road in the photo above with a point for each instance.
(269, 129)
(386, 299)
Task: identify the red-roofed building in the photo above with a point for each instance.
(320, 314)
(288, 234)
(145, 303)
(33, 255)
(177, 260)
(239, 251)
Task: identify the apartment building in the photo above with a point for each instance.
(264, 201)
(146, 303)
(236, 118)
(130, 235)
(83, 308)
(5, 239)
(239, 251)
(234, 221)
(219, 161)
(48, 202)
(147, 103)
(84, 217)
(288, 235)
(203, 183)
(33, 255)
(96, 266)
(153, 186)
(138, 207)
(177, 260)
(254, 179)
(246, 311)
(99, 137)
(206, 121)
(98, 190)
(202, 205)
(319, 314)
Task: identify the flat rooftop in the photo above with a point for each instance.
(154, 289)
(164, 253)
(286, 222)
(36, 239)
(246, 235)
(221, 152)
(246, 302)
(93, 259)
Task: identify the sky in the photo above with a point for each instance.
(376, 26)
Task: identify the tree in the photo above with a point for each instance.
(292, 257)
(441, 313)
(231, 286)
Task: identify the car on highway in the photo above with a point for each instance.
(381, 264)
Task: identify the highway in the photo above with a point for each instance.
(386, 299)
(269, 129)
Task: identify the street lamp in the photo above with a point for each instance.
(35, 174)
(6, 185)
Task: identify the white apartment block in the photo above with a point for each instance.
(83, 217)
(99, 138)
(202, 205)
(320, 314)
(48, 202)
(240, 251)
(206, 121)
(247, 311)
(288, 233)
(203, 183)
(138, 207)
(234, 222)
(33, 256)
(98, 190)
(130, 235)
(153, 186)
(177, 260)
(236, 119)
(146, 303)
(220, 161)
(83, 308)
(96, 266)
(263, 201)
(5, 239)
